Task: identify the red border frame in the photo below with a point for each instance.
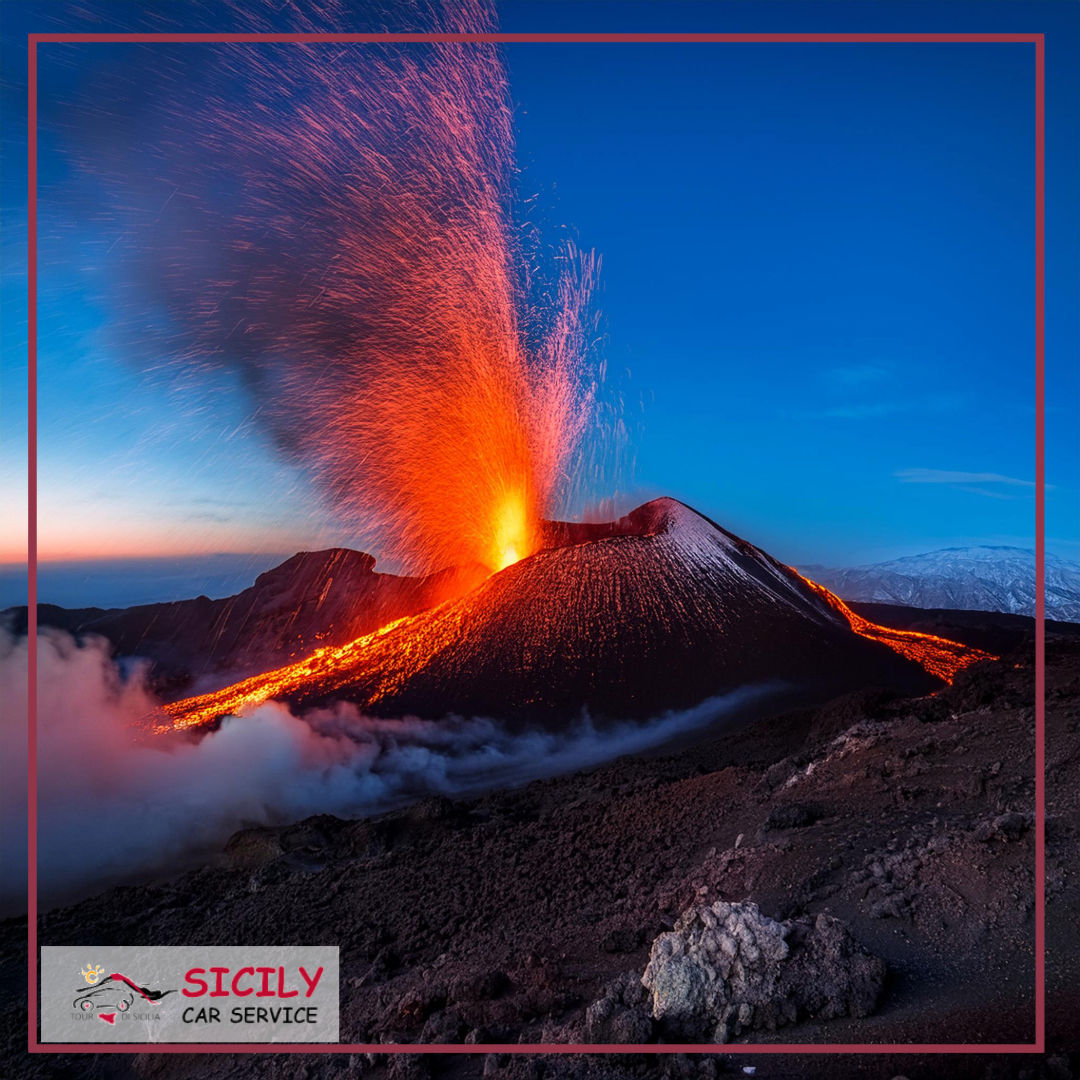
(1037, 1047)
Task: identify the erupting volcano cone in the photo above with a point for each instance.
(657, 611)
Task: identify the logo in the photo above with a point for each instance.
(113, 995)
(189, 994)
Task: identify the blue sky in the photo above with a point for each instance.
(818, 287)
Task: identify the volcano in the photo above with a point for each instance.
(659, 610)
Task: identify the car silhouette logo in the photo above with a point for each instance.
(114, 994)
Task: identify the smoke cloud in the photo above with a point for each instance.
(116, 805)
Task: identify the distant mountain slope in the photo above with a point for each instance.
(315, 598)
(656, 611)
(969, 578)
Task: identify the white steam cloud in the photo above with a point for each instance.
(116, 805)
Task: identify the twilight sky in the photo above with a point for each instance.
(818, 282)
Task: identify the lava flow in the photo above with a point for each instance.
(941, 657)
(415, 639)
(205, 708)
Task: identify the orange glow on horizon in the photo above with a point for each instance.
(80, 532)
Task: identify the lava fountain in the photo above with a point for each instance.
(409, 342)
(448, 420)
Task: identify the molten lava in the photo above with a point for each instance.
(514, 533)
(941, 657)
(205, 708)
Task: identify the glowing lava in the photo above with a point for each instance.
(411, 342)
(514, 533)
(940, 656)
(205, 708)
(444, 421)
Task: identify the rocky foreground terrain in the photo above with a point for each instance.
(857, 872)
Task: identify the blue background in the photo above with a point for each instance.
(818, 284)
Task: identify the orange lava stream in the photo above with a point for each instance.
(940, 656)
(382, 660)
(204, 708)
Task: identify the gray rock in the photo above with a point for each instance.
(726, 969)
(621, 1013)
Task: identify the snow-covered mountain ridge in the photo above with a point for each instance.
(983, 578)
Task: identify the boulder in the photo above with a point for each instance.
(726, 969)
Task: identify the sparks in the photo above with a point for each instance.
(412, 344)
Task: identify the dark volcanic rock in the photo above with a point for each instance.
(518, 894)
(790, 816)
(1004, 827)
